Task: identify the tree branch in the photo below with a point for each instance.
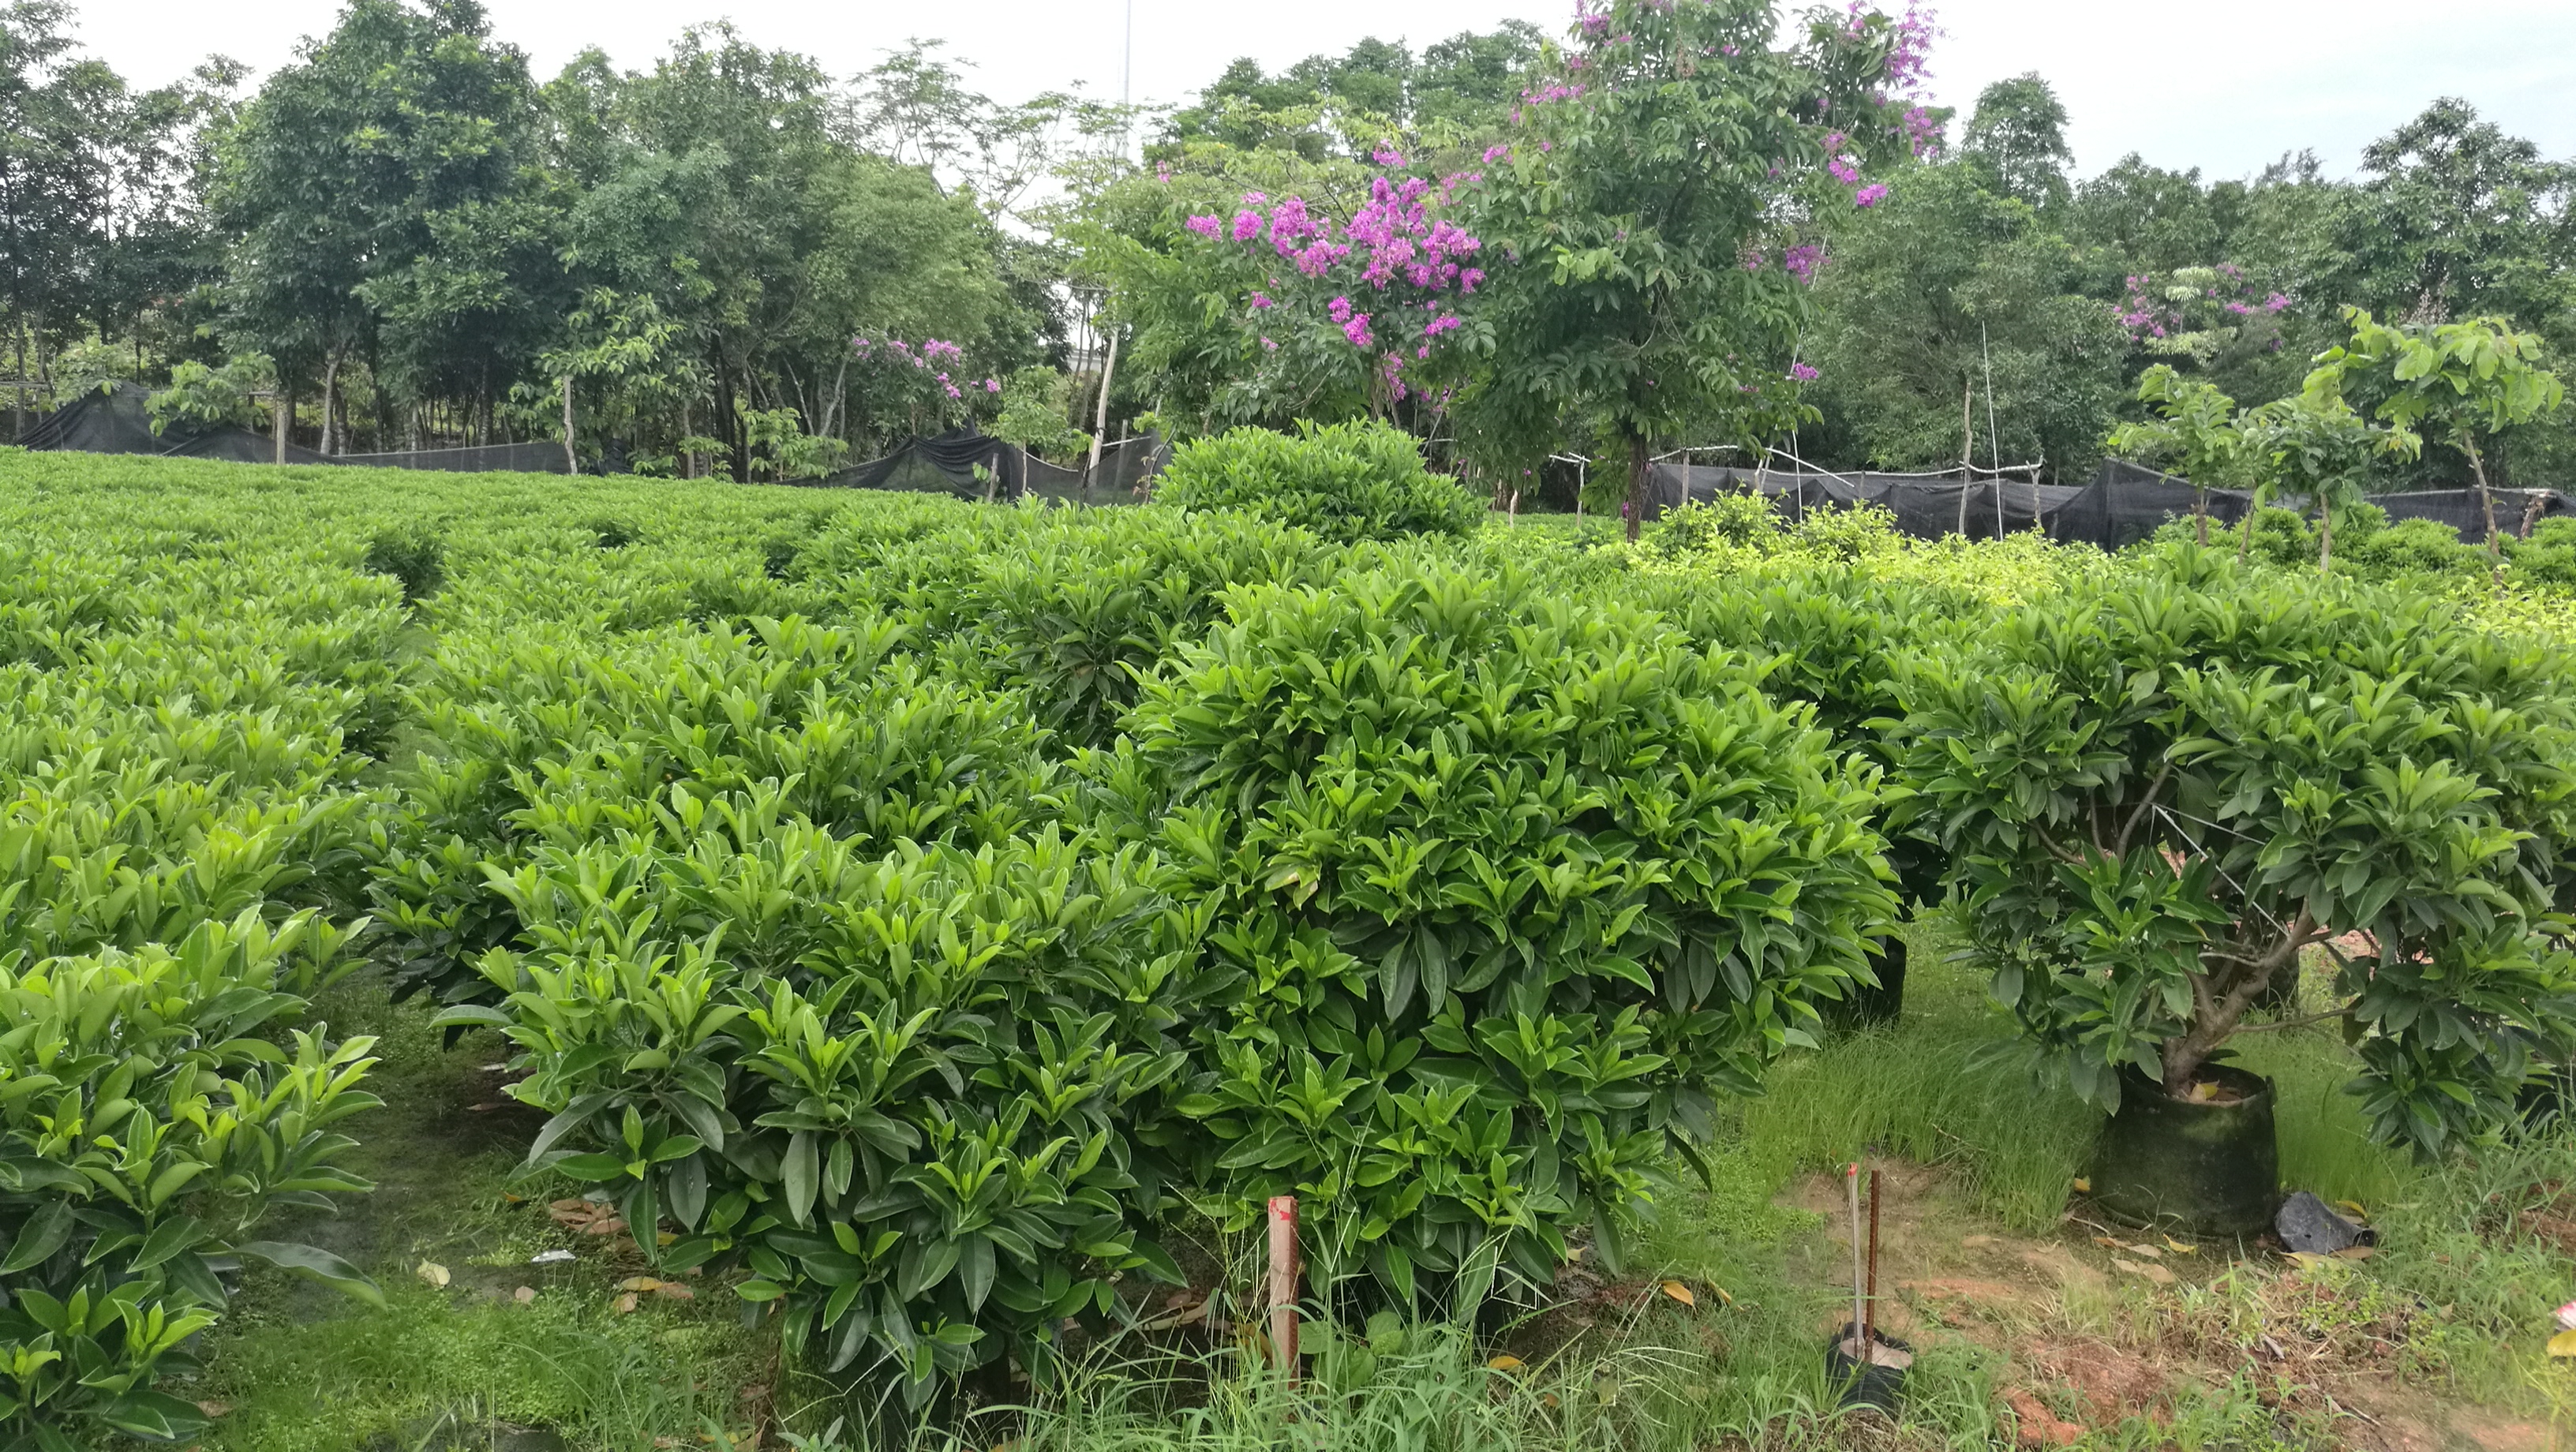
(2146, 805)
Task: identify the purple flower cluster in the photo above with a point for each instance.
(1393, 241)
(2149, 312)
(1802, 373)
(932, 350)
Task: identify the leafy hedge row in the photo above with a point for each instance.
(179, 815)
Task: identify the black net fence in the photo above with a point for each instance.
(115, 420)
(967, 465)
(527, 458)
(2124, 503)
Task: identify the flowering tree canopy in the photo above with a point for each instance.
(1638, 209)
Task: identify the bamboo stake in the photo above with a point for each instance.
(1869, 1303)
(1860, 1308)
(1283, 1284)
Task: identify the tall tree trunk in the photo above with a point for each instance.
(1967, 446)
(18, 390)
(1100, 419)
(729, 413)
(279, 411)
(2486, 500)
(688, 459)
(572, 461)
(330, 403)
(1638, 464)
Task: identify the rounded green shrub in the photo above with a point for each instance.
(2157, 793)
(1506, 888)
(1346, 481)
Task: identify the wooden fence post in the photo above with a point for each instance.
(1283, 1283)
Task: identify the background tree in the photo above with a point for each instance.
(1941, 291)
(386, 203)
(2018, 138)
(1641, 181)
(2468, 382)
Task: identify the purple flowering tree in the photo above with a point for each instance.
(1353, 300)
(2194, 315)
(928, 385)
(1643, 291)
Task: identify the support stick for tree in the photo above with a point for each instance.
(1869, 1302)
(1283, 1284)
(572, 461)
(1860, 1305)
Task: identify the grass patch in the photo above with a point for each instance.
(303, 1370)
(1928, 1088)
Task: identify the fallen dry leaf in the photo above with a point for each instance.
(524, 1294)
(2307, 1258)
(214, 1409)
(1681, 1293)
(2156, 1273)
(639, 1283)
(2563, 1344)
(2356, 1252)
(1975, 1242)
(674, 1291)
(1505, 1363)
(625, 1303)
(2107, 1243)
(2083, 1186)
(487, 1106)
(2149, 1251)
(432, 1272)
(2178, 1248)
(2353, 1209)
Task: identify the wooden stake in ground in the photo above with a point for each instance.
(1860, 1304)
(1869, 1301)
(1283, 1284)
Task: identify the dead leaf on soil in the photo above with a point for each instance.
(1505, 1363)
(1975, 1242)
(432, 1272)
(2178, 1248)
(2083, 1186)
(1681, 1293)
(524, 1294)
(625, 1303)
(2357, 1252)
(639, 1283)
(2563, 1344)
(2156, 1273)
(214, 1409)
(674, 1291)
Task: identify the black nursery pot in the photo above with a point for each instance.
(2208, 1169)
(1873, 1385)
(1867, 1006)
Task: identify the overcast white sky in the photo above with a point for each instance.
(2225, 85)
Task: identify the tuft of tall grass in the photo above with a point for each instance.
(1930, 1087)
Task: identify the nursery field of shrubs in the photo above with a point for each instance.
(913, 917)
